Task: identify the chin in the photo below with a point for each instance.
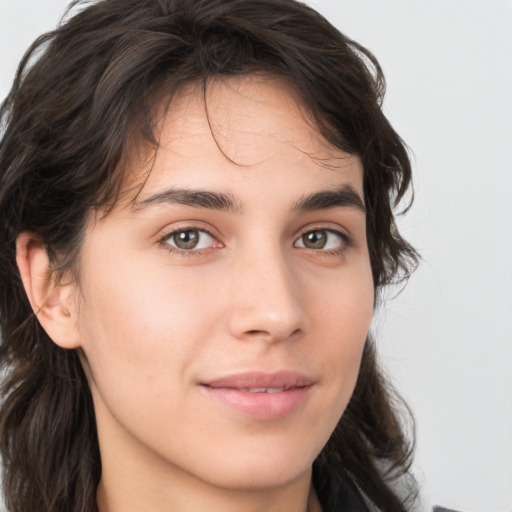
(255, 479)
(261, 468)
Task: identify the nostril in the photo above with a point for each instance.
(257, 333)
(260, 333)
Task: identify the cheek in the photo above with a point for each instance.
(342, 316)
(145, 328)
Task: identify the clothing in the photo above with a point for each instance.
(337, 494)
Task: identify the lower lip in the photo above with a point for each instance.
(261, 406)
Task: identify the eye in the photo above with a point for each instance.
(322, 239)
(189, 240)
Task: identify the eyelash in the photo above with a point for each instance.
(346, 241)
(164, 241)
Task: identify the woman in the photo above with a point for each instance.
(197, 220)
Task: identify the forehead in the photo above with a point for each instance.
(237, 127)
(240, 112)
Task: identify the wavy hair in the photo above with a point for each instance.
(84, 95)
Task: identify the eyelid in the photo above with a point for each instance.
(186, 226)
(347, 240)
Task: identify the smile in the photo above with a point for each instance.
(261, 396)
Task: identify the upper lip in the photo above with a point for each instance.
(248, 380)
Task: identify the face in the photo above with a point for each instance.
(224, 313)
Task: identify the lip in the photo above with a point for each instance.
(262, 396)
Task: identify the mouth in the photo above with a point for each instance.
(261, 396)
(264, 390)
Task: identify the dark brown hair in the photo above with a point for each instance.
(83, 96)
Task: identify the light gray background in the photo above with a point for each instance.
(447, 339)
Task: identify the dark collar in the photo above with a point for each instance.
(336, 491)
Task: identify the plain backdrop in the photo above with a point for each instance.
(446, 340)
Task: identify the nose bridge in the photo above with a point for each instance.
(266, 298)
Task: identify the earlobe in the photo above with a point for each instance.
(52, 302)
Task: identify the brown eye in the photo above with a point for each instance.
(314, 239)
(322, 239)
(190, 239)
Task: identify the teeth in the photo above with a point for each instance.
(262, 390)
(275, 390)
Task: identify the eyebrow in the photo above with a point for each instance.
(199, 198)
(346, 196)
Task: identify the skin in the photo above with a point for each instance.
(154, 320)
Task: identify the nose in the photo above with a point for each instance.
(267, 302)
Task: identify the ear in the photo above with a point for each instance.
(52, 302)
